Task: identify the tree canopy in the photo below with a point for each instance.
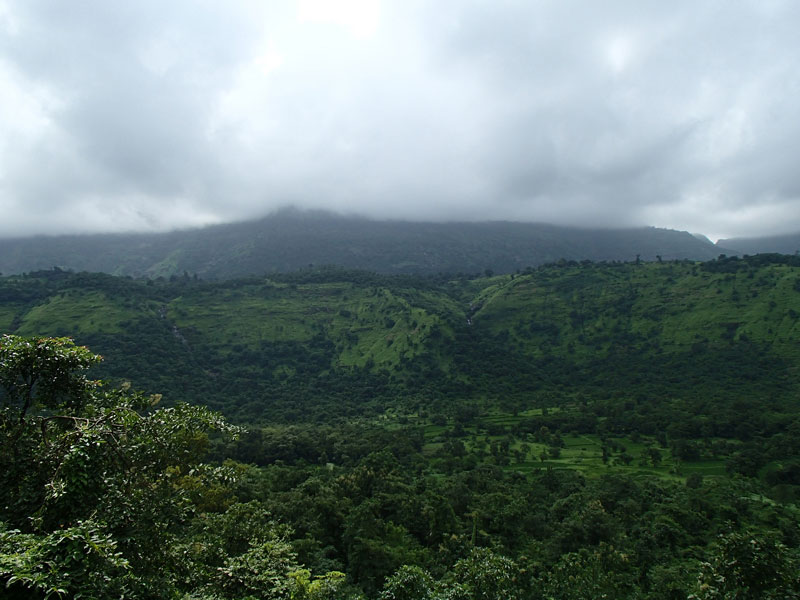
(105, 495)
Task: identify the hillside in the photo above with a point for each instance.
(627, 430)
(291, 240)
(290, 346)
(783, 244)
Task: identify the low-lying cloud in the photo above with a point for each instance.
(152, 115)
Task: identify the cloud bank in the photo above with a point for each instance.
(151, 115)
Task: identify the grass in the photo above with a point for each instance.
(366, 325)
(167, 266)
(585, 312)
(581, 452)
(75, 313)
(7, 314)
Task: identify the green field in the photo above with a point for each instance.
(583, 453)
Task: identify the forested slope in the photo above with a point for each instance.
(266, 348)
(579, 430)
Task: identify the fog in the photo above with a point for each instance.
(149, 116)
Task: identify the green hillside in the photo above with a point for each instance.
(660, 308)
(578, 430)
(244, 343)
(295, 346)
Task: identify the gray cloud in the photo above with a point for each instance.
(153, 115)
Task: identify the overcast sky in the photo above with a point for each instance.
(151, 115)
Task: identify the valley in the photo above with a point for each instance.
(635, 419)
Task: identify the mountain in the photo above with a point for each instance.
(783, 244)
(290, 240)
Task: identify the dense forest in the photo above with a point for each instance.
(575, 430)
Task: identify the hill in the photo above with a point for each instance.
(294, 346)
(783, 244)
(291, 240)
(571, 420)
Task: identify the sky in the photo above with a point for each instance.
(152, 115)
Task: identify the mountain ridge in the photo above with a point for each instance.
(292, 239)
(788, 243)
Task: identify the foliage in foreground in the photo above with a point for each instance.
(104, 494)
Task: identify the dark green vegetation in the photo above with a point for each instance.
(104, 496)
(292, 240)
(572, 431)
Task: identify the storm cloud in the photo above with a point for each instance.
(147, 115)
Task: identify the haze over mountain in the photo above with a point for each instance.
(783, 244)
(291, 240)
(159, 116)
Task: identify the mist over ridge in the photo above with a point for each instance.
(293, 239)
(153, 117)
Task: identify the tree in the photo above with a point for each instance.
(408, 583)
(263, 571)
(96, 486)
(602, 572)
(484, 575)
(653, 455)
(744, 566)
(103, 493)
(44, 373)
